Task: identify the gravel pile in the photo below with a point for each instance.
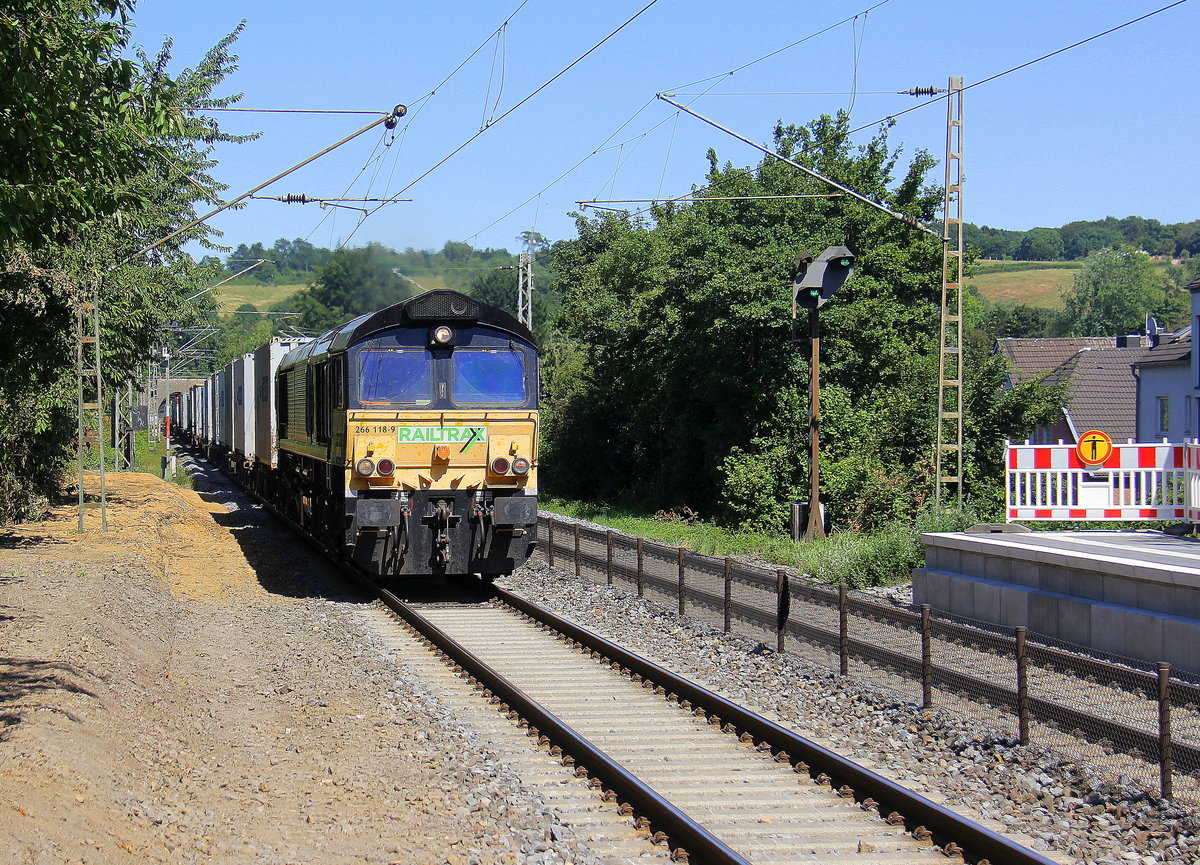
(1064, 806)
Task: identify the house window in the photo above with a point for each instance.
(1164, 414)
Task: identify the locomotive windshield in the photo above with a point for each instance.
(395, 376)
(482, 375)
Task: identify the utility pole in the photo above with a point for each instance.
(948, 450)
(525, 289)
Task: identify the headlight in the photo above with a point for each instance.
(365, 466)
(520, 466)
(442, 335)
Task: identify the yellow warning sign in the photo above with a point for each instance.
(1094, 447)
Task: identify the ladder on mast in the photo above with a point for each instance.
(89, 378)
(948, 451)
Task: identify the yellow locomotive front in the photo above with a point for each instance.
(432, 450)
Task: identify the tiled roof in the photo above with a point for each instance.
(1103, 392)
(1030, 357)
(1173, 348)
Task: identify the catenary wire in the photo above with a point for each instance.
(510, 110)
(990, 77)
(1022, 65)
(716, 79)
(787, 47)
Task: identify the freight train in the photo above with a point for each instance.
(404, 440)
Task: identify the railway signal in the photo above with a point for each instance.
(817, 279)
(814, 285)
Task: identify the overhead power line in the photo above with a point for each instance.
(903, 217)
(1026, 63)
(398, 111)
(532, 94)
(277, 110)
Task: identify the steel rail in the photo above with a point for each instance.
(978, 842)
(1091, 727)
(681, 830)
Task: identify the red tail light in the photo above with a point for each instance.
(500, 466)
(385, 467)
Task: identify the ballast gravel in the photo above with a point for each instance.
(1064, 808)
(193, 686)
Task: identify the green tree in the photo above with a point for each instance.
(1116, 289)
(1041, 244)
(352, 282)
(678, 381)
(93, 167)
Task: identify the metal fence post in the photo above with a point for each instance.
(577, 549)
(843, 632)
(926, 657)
(640, 584)
(608, 543)
(1166, 765)
(1022, 688)
(783, 607)
(728, 593)
(550, 540)
(682, 590)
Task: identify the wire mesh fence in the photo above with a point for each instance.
(1130, 719)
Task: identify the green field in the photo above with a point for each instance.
(1041, 286)
(261, 297)
(264, 297)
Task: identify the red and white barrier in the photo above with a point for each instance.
(1138, 481)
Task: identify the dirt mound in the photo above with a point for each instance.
(188, 687)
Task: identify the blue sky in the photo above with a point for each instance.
(1108, 128)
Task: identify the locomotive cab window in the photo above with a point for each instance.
(395, 375)
(488, 375)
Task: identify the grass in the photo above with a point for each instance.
(1033, 283)
(148, 459)
(1040, 286)
(886, 557)
(261, 297)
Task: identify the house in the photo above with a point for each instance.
(1166, 394)
(1168, 391)
(1098, 371)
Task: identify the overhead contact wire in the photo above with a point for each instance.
(1023, 65)
(534, 93)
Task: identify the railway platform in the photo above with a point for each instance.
(1135, 594)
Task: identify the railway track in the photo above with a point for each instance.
(713, 781)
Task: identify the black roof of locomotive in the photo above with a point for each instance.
(428, 308)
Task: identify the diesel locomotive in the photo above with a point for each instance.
(405, 440)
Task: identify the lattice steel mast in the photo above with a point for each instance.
(525, 289)
(948, 452)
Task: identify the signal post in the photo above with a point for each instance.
(815, 282)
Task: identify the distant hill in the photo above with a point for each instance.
(261, 297)
(1033, 283)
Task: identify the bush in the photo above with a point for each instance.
(880, 558)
